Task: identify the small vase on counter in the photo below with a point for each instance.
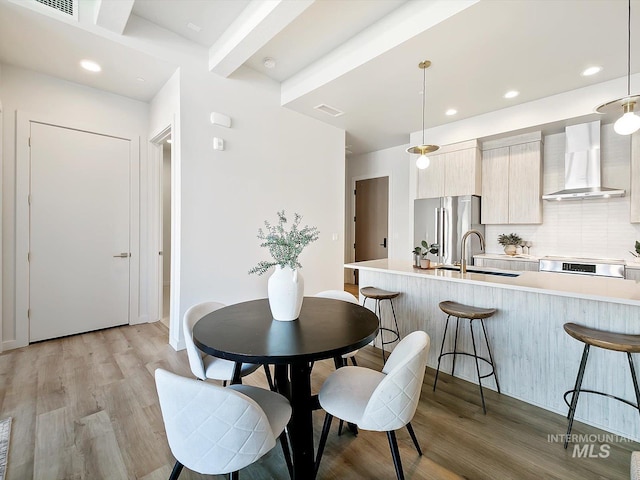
(510, 249)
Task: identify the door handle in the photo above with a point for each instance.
(123, 255)
(384, 243)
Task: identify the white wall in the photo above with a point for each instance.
(392, 162)
(28, 91)
(274, 159)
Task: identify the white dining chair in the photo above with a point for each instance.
(216, 430)
(346, 297)
(380, 401)
(205, 366)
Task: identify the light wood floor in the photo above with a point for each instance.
(85, 407)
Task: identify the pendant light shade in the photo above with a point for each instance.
(629, 122)
(423, 149)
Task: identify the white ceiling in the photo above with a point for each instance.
(334, 52)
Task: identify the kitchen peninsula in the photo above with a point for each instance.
(536, 361)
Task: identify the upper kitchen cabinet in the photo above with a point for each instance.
(635, 178)
(454, 170)
(512, 180)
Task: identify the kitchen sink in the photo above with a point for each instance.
(483, 272)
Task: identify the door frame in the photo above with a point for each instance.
(350, 251)
(23, 179)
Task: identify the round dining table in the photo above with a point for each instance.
(247, 333)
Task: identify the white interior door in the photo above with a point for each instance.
(79, 232)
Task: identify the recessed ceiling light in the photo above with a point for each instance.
(269, 63)
(90, 65)
(168, 140)
(194, 27)
(451, 111)
(591, 71)
(140, 79)
(511, 94)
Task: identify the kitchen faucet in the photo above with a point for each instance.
(463, 244)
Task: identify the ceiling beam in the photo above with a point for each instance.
(404, 23)
(258, 23)
(113, 15)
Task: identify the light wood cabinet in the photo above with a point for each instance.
(634, 216)
(519, 265)
(454, 170)
(512, 180)
(632, 274)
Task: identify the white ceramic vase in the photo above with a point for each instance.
(286, 291)
(510, 249)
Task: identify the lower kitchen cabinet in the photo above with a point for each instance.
(512, 180)
(632, 274)
(519, 265)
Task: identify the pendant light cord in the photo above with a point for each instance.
(424, 97)
(629, 51)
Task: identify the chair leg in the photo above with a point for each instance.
(284, 442)
(444, 338)
(576, 392)
(175, 473)
(635, 380)
(353, 360)
(323, 439)
(493, 365)
(234, 475)
(395, 453)
(414, 438)
(224, 383)
(455, 347)
(267, 372)
(475, 355)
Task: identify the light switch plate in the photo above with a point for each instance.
(218, 143)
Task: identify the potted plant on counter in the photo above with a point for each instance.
(509, 242)
(420, 259)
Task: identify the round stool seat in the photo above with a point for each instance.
(378, 293)
(465, 311)
(620, 342)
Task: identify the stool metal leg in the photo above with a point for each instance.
(444, 338)
(576, 392)
(395, 319)
(455, 347)
(475, 354)
(635, 381)
(493, 366)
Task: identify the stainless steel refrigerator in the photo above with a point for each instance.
(444, 221)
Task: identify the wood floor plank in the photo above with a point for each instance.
(86, 407)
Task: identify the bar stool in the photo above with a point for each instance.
(379, 295)
(619, 342)
(458, 310)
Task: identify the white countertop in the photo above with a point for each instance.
(606, 289)
(499, 256)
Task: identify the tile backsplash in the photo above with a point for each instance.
(583, 228)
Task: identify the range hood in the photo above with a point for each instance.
(582, 165)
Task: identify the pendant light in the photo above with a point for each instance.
(423, 150)
(629, 122)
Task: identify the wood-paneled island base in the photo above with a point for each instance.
(535, 359)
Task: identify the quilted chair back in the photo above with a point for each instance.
(211, 429)
(394, 401)
(191, 316)
(337, 295)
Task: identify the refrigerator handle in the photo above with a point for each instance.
(443, 231)
(439, 233)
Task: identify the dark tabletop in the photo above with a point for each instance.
(246, 332)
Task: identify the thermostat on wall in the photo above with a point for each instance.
(218, 143)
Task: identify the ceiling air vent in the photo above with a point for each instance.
(334, 112)
(67, 7)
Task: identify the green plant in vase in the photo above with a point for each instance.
(510, 242)
(420, 253)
